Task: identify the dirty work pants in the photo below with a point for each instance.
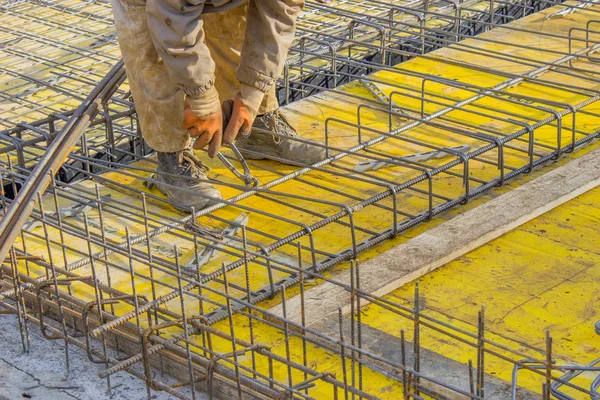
(159, 104)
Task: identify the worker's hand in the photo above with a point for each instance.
(207, 130)
(238, 118)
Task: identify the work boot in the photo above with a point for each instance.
(261, 145)
(188, 168)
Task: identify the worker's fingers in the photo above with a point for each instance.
(196, 144)
(227, 108)
(189, 118)
(232, 130)
(203, 140)
(246, 127)
(215, 143)
(194, 132)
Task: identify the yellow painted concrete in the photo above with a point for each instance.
(538, 277)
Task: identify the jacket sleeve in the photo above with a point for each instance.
(270, 30)
(177, 32)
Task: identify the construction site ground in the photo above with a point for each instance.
(536, 278)
(40, 374)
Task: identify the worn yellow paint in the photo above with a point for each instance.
(525, 287)
(538, 277)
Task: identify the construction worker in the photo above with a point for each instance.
(189, 63)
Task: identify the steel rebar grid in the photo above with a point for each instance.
(146, 255)
(83, 51)
(476, 340)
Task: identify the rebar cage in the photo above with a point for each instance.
(107, 264)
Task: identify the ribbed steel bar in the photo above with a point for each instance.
(349, 43)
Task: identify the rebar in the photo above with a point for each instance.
(117, 274)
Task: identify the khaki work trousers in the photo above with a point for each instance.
(159, 103)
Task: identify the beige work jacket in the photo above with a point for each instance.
(177, 32)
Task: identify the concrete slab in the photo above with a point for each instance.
(442, 244)
(40, 374)
(432, 364)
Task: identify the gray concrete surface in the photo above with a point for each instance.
(433, 365)
(40, 374)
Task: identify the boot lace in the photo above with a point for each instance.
(277, 122)
(192, 166)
